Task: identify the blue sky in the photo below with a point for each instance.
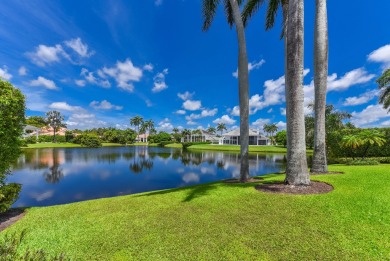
(102, 62)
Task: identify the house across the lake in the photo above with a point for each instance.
(203, 136)
(142, 138)
(233, 138)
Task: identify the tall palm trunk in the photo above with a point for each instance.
(243, 91)
(296, 172)
(320, 82)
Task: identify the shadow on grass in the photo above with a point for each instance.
(200, 190)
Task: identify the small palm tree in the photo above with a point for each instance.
(221, 127)
(185, 133)
(211, 130)
(384, 84)
(371, 137)
(351, 141)
(175, 130)
(136, 122)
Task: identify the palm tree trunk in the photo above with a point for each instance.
(243, 91)
(320, 81)
(296, 171)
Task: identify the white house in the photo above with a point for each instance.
(204, 136)
(255, 138)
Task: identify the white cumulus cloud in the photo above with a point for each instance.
(225, 119)
(381, 55)
(104, 105)
(125, 73)
(159, 81)
(64, 106)
(192, 105)
(22, 71)
(4, 74)
(362, 99)
(45, 55)
(42, 81)
(185, 96)
(251, 66)
(79, 47)
(371, 114)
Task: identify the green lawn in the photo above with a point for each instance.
(218, 221)
(64, 145)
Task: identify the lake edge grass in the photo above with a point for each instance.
(229, 221)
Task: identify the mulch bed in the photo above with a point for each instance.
(316, 187)
(251, 180)
(9, 217)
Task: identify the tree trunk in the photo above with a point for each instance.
(243, 91)
(296, 171)
(320, 84)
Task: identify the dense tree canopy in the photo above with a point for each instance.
(12, 108)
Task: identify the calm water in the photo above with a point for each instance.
(58, 176)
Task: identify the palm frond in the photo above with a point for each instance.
(384, 80)
(251, 7)
(272, 12)
(209, 9)
(229, 13)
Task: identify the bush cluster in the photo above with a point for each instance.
(160, 137)
(88, 140)
(49, 138)
(359, 162)
(9, 193)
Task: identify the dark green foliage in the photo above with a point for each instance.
(163, 143)
(361, 162)
(36, 121)
(8, 195)
(69, 136)
(31, 140)
(49, 138)
(160, 137)
(10, 244)
(12, 107)
(89, 140)
(384, 84)
(22, 143)
(336, 150)
(281, 138)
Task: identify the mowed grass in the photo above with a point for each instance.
(275, 149)
(219, 221)
(64, 145)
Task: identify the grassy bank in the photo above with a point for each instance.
(64, 145)
(275, 149)
(220, 221)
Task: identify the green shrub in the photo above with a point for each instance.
(23, 143)
(10, 244)
(9, 193)
(359, 162)
(31, 139)
(163, 143)
(49, 138)
(89, 140)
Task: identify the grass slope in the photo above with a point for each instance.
(64, 145)
(218, 221)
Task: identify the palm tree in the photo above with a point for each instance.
(296, 171)
(211, 130)
(384, 84)
(233, 14)
(351, 141)
(266, 129)
(221, 127)
(319, 164)
(185, 133)
(175, 130)
(136, 122)
(371, 137)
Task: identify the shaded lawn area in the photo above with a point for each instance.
(64, 145)
(219, 221)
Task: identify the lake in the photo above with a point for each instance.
(64, 175)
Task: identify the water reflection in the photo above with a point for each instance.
(56, 176)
